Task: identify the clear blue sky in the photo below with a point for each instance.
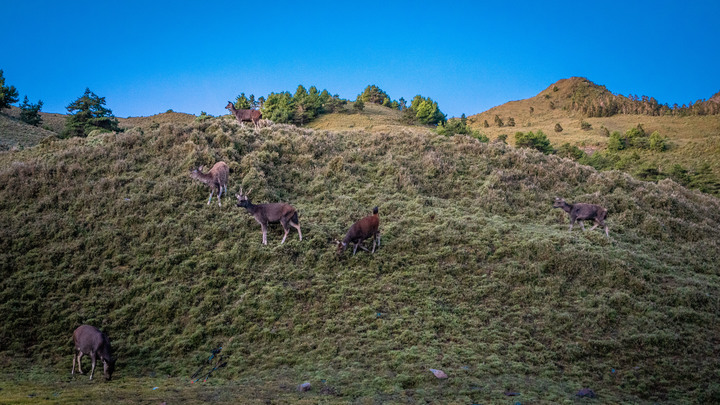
(148, 57)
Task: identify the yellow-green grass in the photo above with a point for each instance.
(477, 275)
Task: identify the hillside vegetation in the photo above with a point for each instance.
(693, 139)
(477, 275)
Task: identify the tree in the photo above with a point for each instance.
(88, 113)
(8, 94)
(244, 103)
(537, 141)
(373, 94)
(658, 142)
(617, 141)
(359, 105)
(426, 111)
(30, 113)
(279, 107)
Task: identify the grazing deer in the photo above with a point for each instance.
(361, 230)
(89, 340)
(270, 213)
(583, 212)
(245, 115)
(216, 178)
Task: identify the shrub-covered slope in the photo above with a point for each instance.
(477, 275)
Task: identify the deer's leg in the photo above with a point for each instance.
(220, 191)
(355, 248)
(374, 242)
(264, 231)
(79, 360)
(93, 358)
(211, 194)
(607, 233)
(572, 222)
(74, 358)
(296, 226)
(286, 229)
(377, 235)
(596, 225)
(582, 225)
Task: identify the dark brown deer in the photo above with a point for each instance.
(583, 212)
(245, 115)
(89, 340)
(361, 230)
(216, 178)
(270, 213)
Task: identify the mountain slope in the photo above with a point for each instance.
(477, 275)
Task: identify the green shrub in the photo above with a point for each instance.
(537, 141)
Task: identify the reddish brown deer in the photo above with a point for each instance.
(245, 115)
(583, 212)
(89, 340)
(216, 178)
(270, 213)
(361, 230)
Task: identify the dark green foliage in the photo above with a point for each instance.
(585, 126)
(279, 107)
(617, 142)
(498, 121)
(30, 113)
(477, 274)
(244, 103)
(88, 113)
(300, 108)
(373, 94)
(359, 105)
(8, 94)
(426, 111)
(657, 142)
(570, 151)
(459, 126)
(203, 116)
(538, 141)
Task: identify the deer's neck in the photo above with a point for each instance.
(206, 178)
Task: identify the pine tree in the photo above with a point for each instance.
(8, 94)
(30, 113)
(88, 113)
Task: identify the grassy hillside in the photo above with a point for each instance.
(477, 275)
(694, 140)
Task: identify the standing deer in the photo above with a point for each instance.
(245, 115)
(216, 178)
(582, 212)
(361, 230)
(270, 213)
(89, 340)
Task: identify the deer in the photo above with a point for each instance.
(270, 213)
(216, 178)
(89, 340)
(364, 228)
(583, 212)
(245, 115)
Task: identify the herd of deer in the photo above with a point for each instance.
(89, 340)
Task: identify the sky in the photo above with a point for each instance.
(469, 56)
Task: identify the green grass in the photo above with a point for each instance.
(477, 275)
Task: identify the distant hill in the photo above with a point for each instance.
(694, 138)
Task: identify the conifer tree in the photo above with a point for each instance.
(30, 113)
(89, 113)
(8, 94)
